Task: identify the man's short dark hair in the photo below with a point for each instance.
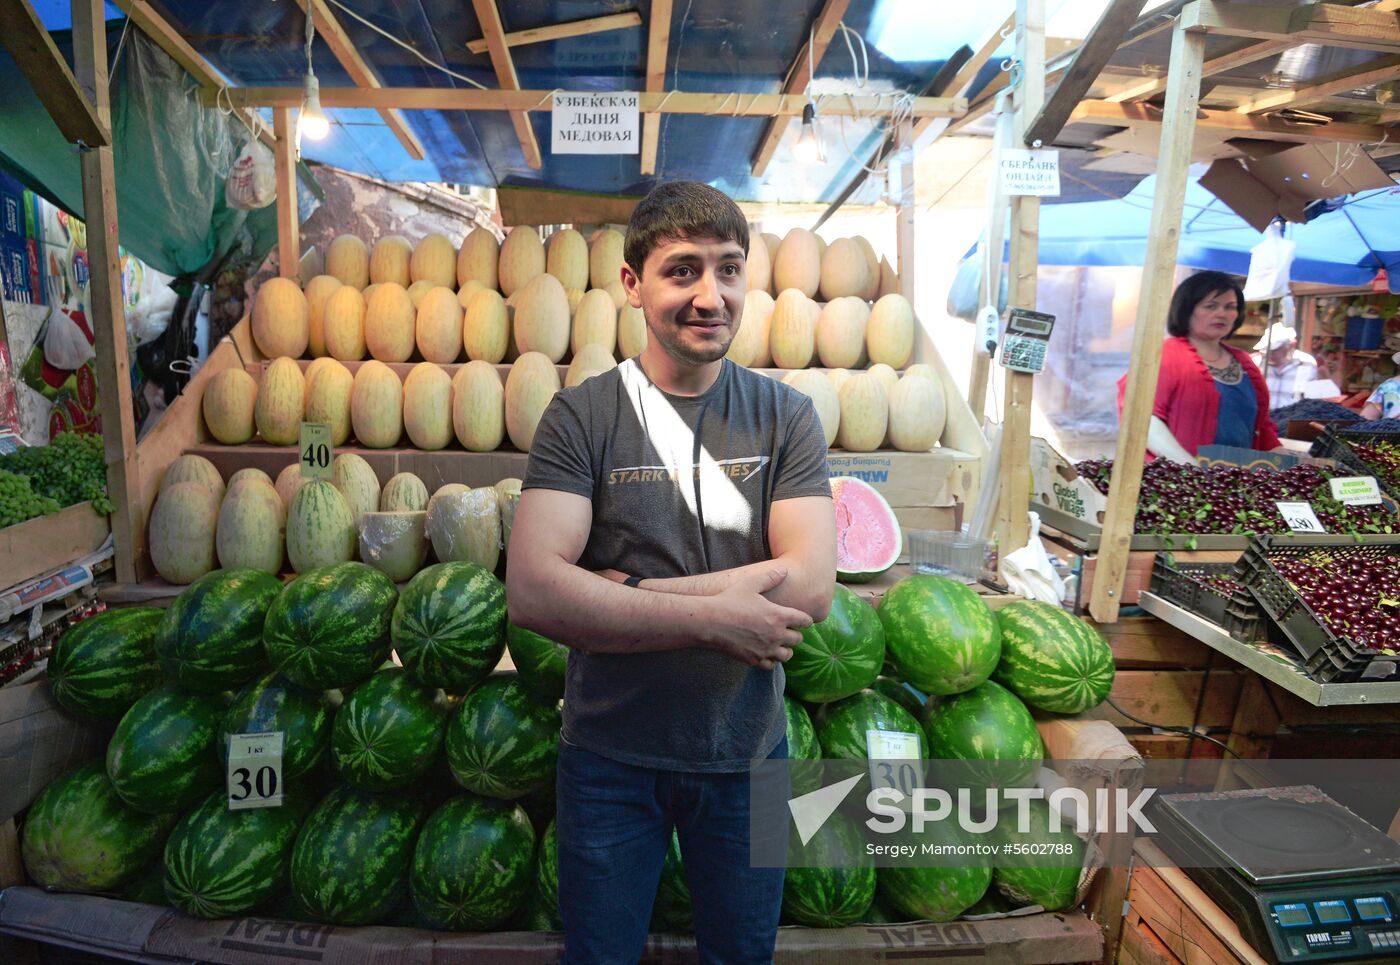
(678, 210)
(1197, 289)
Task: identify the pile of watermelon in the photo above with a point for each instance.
(964, 683)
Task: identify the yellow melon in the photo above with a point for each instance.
(193, 468)
(889, 279)
(821, 246)
(798, 264)
(759, 269)
(872, 269)
(522, 259)
(925, 370)
(439, 326)
(347, 258)
(605, 258)
(369, 291)
(466, 290)
(183, 523)
(486, 327)
(889, 335)
(865, 413)
(376, 406)
(427, 406)
(357, 482)
(248, 472)
(281, 320)
(567, 258)
(791, 336)
(887, 376)
(750, 345)
(281, 398)
(417, 290)
(465, 524)
(844, 271)
(841, 332)
(404, 492)
(531, 385)
(575, 296)
(477, 259)
(434, 260)
(389, 319)
(772, 242)
(590, 360)
(252, 527)
(595, 322)
(542, 318)
(819, 389)
(618, 293)
(478, 406)
(328, 393)
(838, 377)
(318, 290)
(388, 261)
(289, 480)
(317, 365)
(230, 398)
(394, 543)
(344, 319)
(918, 412)
(631, 332)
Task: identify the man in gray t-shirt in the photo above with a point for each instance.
(675, 531)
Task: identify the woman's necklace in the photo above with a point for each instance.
(1225, 369)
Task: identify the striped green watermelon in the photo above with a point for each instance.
(80, 835)
(147, 886)
(474, 863)
(804, 751)
(840, 655)
(672, 911)
(534, 914)
(220, 863)
(163, 755)
(929, 887)
(842, 727)
(274, 703)
(1039, 874)
(503, 741)
(868, 537)
(836, 882)
(388, 732)
(102, 665)
(901, 693)
(1051, 659)
(942, 638)
(988, 725)
(351, 860)
(879, 912)
(450, 625)
(330, 626)
(211, 637)
(539, 804)
(992, 903)
(547, 869)
(539, 660)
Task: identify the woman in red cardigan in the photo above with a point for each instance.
(1208, 392)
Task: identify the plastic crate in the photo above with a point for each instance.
(1238, 613)
(1328, 657)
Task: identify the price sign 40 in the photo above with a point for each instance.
(317, 454)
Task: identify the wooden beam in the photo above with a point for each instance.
(105, 297)
(736, 104)
(1089, 61)
(1373, 72)
(22, 33)
(1329, 24)
(1174, 158)
(489, 16)
(965, 76)
(288, 229)
(561, 31)
(361, 72)
(535, 206)
(1246, 54)
(1258, 126)
(905, 210)
(658, 42)
(799, 76)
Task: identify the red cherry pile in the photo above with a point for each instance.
(1355, 597)
(1383, 458)
(1222, 585)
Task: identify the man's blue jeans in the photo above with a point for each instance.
(614, 824)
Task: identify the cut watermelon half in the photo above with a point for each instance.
(868, 539)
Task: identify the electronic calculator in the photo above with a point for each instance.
(1027, 337)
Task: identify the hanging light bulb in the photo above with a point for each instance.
(311, 121)
(808, 148)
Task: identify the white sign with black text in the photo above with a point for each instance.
(590, 122)
(1029, 173)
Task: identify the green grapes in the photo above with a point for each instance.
(71, 469)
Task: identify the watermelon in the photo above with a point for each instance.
(162, 757)
(539, 804)
(503, 742)
(352, 856)
(220, 863)
(1046, 868)
(547, 869)
(992, 903)
(880, 912)
(330, 626)
(868, 539)
(929, 887)
(147, 886)
(388, 731)
(671, 911)
(804, 751)
(1051, 659)
(539, 660)
(942, 638)
(836, 882)
(211, 637)
(534, 914)
(105, 663)
(274, 703)
(991, 726)
(474, 862)
(840, 655)
(450, 625)
(901, 693)
(80, 835)
(842, 727)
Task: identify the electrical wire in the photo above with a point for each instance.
(412, 50)
(1186, 731)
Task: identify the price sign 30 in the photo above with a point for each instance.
(255, 770)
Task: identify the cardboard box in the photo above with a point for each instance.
(1057, 484)
(1279, 179)
(47, 543)
(927, 490)
(39, 740)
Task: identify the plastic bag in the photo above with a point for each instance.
(1270, 266)
(252, 182)
(965, 295)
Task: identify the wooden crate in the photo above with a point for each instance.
(46, 543)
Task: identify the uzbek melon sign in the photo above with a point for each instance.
(592, 122)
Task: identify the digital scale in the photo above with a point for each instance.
(1305, 879)
(1027, 337)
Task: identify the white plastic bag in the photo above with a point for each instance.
(1270, 266)
(252, 183)
(965, 295)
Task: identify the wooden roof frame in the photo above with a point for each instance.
(563, 31)
(658, 45)
(488, 14)
(39, 60)
(798, 77)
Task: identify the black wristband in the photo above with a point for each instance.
(632, 581)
